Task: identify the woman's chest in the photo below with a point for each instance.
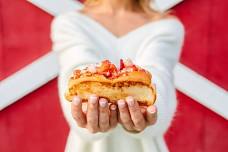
(115, 48)
(120, 48)
(121, 25)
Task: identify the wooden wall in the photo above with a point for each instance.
(35, 123)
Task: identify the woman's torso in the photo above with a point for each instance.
(109, 45)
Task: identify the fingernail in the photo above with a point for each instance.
(113, 107)
(143, 110)
(152, 109)
(103, 102)
(121, 103)
(93, 99)
(130, 101)
(76, 100)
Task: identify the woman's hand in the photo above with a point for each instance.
(99, 116)
(133, 117)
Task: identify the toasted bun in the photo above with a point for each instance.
(136, 84)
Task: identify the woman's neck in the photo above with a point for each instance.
(117, 6)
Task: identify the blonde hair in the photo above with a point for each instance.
(143, 5)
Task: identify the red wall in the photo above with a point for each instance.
(35, 123)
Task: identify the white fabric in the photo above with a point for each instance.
(79, 41)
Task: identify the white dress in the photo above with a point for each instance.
(79, 40)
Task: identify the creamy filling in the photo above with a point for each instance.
(117, 91)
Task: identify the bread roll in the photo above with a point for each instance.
(106, 81)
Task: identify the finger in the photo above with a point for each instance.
(125, 115)
(92, 114)
(84, 107)
(136, 115)
(151, 115)
(113, 116)
(77, 113)
(103, 115)
(143, 111)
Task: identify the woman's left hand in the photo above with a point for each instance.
(133, 117)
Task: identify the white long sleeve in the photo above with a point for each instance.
(74, 51)
(159, 54)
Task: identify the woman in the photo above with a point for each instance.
(114, 29)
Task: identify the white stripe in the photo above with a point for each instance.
(28, 79)
(55, 7)
(202, 90)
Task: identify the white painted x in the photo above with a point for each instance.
(200, 89)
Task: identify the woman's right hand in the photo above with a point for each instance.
(98, 117)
